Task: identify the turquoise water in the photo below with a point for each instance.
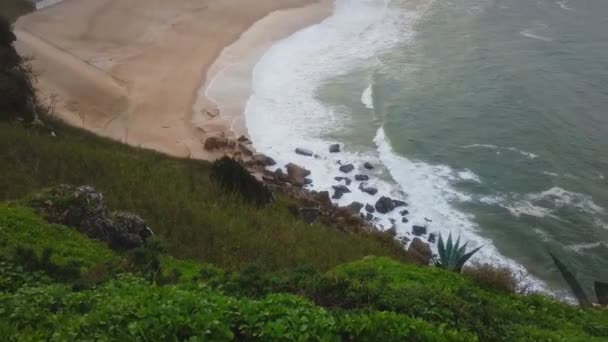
(490, 115)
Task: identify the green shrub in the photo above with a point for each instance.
(493, 277)
(16, 78)
(234, 178)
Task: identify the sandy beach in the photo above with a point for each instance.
(140, 71)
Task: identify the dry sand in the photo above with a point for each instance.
(133, 70)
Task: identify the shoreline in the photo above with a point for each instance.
(144, 64)
(228, 84)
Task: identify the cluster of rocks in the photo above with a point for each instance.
(318, 206)
(83, 208)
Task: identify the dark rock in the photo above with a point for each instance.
(347, 180)
(392, 220)
(280, 175)
(369, 217)
(432, 238)
(323, 198)
(418, 230)
(385, 205)
(370, 208)
(347, 168)
(361, 178)
(339, 191)
(304, 152)
(403, 240)
(245, 149)
(368, 166)
(404, 212)
(216, 143)
(392, 231)
(368, 189)
(334, 148)
(244, 139)
(355, 207)
(420, 252)
(130, 231)
(84, 209)
(307, 181)
(404, 220)
(263, 160)
(399, 203)
(428, 220)
(296, 175)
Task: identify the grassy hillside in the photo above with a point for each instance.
(196, 218)
(368, 300)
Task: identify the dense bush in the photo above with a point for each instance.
(493, 277)
(17, 93)
(234, 178)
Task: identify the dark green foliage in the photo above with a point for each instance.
(17, 93)
(12, 9)
(574, 285)
(234, 178)
(453, 256)
(601, 290)
(32, 262)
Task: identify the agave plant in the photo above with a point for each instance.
(601, 289)
(452, 256)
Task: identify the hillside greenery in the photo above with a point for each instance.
(221, 269)
(375, 298)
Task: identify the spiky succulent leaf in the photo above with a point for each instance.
(575, 286)
(601, 291)
(465, 258)
(441, 248)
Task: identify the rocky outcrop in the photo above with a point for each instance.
(420, 252)
(296, 175)
(263, 160)
(370, 208)
(385, 205)
(368, 189)
(355, 207)
(334, 148)
(346, 180)
(304, 152)
(368, 166)
(347, 168)
(339, 191)
(361, 178)
(83, 208)
(218, 143)
(418, 230)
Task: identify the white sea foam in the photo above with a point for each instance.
(284, 112)
(367, 98)
(580, 247)
(552, 174)
(564, 5)
(498, 149)
(531, 34)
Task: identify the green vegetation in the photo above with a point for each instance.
(373, 299)
(452, 256)
(12, 9)
(17, 91)
(194, 216)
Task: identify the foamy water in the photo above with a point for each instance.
(284, 112)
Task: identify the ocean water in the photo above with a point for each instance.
(489, 117)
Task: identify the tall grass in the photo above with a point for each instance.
(197, 219)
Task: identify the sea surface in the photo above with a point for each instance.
(489, 117)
